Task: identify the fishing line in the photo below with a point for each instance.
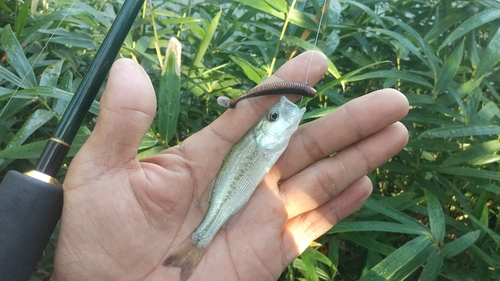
(310, 63)
(280, 88)
(38, 57)
(316, 39)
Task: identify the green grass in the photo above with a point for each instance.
(434, 212)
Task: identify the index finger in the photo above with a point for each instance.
(347, 125)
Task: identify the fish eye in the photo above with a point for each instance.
(272, 115)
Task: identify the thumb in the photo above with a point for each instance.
(127, 108)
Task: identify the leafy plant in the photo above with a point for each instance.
(434, 212)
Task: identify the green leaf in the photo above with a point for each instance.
(150, 152)
(296, 17)
(309, 267)
(494, 235)
(491, 260)
(252, 72)
(432, 267)
(357, 226)
(415, 263)
(4, 7)
(279, 5)
(459, 245)
(341, 79)
(432, 59)
(372, 14)
(445, 24)
(319, 112)
(481, 210)
(52, 92)
(16, 56)
(395, 215)
(22, 15)
(34, 149)
(461, 131)
(369, 242)
(397, 259)
(169, 92)
(450, 68)
(12, 78)
(486, 113)
(207, 38)
(436, 216)
(474, 152)
(490, 56)
(403, 75)
(470, 172)
(59, 106)
(51, 74)
(433, 145)
(35, 121)
(491, 188)
(403, 41)
(471, 23)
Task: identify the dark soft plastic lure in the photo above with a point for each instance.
(275, 88)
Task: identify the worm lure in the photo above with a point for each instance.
(275, 88)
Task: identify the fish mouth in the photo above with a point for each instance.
(292, 113)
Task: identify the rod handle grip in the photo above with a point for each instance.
(29, 212)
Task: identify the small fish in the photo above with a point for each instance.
(244, 167)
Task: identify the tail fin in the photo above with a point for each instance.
(186, 256)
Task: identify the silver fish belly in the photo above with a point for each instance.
(244, 167)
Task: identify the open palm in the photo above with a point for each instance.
(121, 216)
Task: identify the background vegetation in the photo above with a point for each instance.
(434, 213)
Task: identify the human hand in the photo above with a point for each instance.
(121, 216)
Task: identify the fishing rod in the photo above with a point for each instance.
(31, 203)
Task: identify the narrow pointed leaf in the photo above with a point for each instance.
(51, 74)
(357, 226)
(12, 78)
(34, 149)
(396, 260)
(461, 131)
(395, 214)
(207, 38)
(432, 267)
(369, 242)
(4, 7)
(415, 263)
(150, 152)
(52, 92)
(461, 244)
(490, 56)
(445, 24)
(169, 92)
(449, 70)
(309, 266)
(35, 121)
(471, 23)
(383, 74)
(252, 72)
(473, 152)
(436, 216)
(22, 15)
(470, 172)
(488, 112)
(16, 56)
